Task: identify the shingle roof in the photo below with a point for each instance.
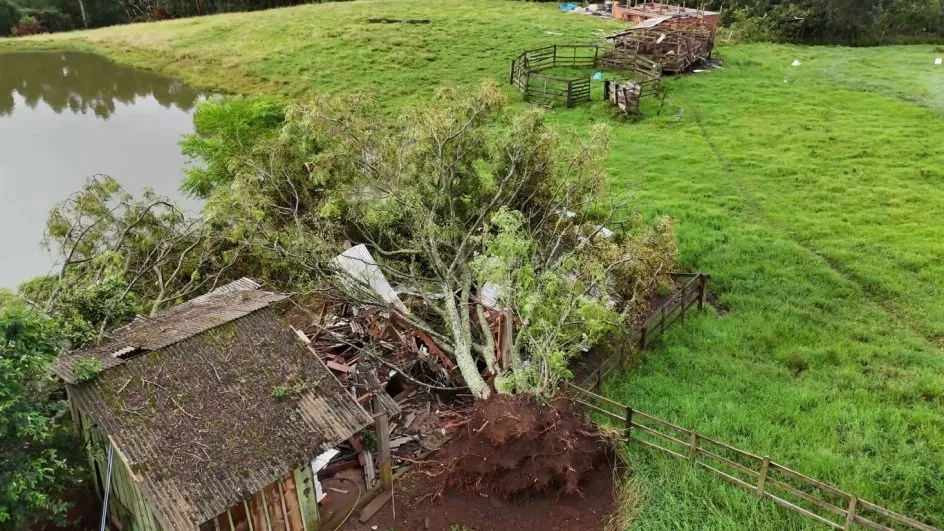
(209, 420)
(172, 325)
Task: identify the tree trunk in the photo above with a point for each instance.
(489, 353)
(462, 337)
(82, 10)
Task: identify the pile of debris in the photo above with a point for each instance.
(391, 369)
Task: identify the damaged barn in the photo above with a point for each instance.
(215, 413)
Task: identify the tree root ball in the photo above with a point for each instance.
(515, 445)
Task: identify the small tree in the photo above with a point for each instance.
(34, 448)
(450, 197)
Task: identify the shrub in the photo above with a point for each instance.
(50, 19)
(28, 25)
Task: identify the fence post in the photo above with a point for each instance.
(555, 56)
(662, 322)
(599, 378)
(570, 89)
(851, 512)
(606, 90)
(629, 421)
(642, 336)
(693, 445)
(762, 480)
(702, 280)
(511, 75)
(682, 300)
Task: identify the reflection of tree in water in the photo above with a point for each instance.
(83, 82)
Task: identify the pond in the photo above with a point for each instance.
(67, 116)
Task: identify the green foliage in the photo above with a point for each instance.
(294, 389)
(225, 132)
(34, 449)
(86, 369)
(858, 22)
(280, 391)
(10, 14)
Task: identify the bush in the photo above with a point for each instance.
(28, 25)
(50, 19)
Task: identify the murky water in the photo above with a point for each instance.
(67, 116)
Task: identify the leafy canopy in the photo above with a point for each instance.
(37, 459)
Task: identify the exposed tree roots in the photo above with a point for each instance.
(513, 445)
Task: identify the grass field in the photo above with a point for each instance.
(813, 195)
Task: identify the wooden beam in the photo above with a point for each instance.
(371, 508)
(382, 427)
(307, 498)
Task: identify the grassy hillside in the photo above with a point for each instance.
(814, 195)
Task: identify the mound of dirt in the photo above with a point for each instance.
(514, 445)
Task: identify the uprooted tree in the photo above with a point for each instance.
(452, 200)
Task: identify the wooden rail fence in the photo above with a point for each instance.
(799, 493)
(692, 291)
(674, 309)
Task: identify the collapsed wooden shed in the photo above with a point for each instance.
(670, 15)
(676, 51)
(208, 416)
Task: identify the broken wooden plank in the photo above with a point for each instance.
(301, 335)
(340, 367)
(400, 441)
(375, 505)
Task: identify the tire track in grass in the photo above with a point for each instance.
(756, 209)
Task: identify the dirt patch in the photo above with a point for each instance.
(513, 462)
(465, 510)
(513, 445)
(715, 302)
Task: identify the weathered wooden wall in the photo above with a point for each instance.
(128, 509)
(288, 504)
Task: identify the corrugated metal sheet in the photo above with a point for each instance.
(195, 316)
(200, 425)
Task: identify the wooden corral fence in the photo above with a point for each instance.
(799, 493)
(536, 87)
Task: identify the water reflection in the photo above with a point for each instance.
(83, 83)
(67, 116)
